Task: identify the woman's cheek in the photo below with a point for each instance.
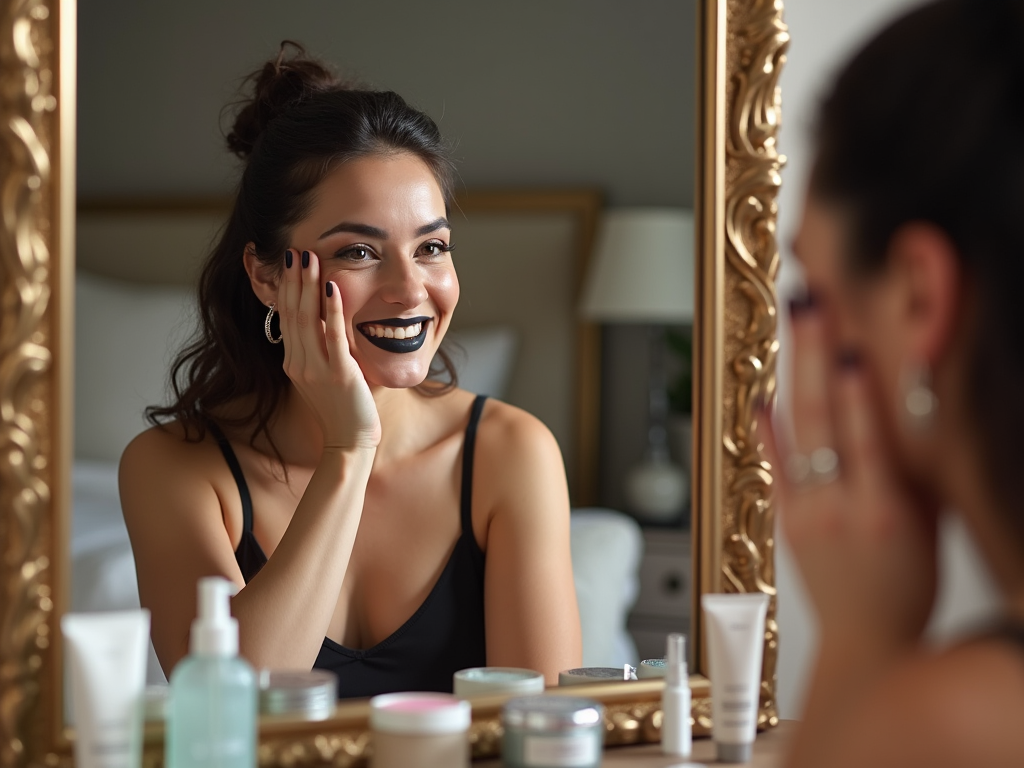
(446, 288)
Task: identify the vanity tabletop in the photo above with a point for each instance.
(768, 752)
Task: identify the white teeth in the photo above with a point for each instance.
(391, 332)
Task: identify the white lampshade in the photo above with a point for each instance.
(642, 271)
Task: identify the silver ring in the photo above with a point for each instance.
(818, 468)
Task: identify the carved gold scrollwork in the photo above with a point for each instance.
(758, 40)
(27, 128)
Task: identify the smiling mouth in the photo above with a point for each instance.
(397, 334)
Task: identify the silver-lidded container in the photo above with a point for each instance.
(552, 732)
(304, 695)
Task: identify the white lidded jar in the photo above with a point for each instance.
(428, 730)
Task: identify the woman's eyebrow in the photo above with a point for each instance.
(436, 224)
(356, 229)
(380, 234)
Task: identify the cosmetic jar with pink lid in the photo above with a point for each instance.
(430, 730)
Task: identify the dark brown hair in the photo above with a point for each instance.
(299, 124)
(925, 124)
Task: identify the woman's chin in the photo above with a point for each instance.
(397, 376)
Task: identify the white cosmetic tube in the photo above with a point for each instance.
(107, 661)
(735, 632)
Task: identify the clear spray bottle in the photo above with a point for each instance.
(676, 735)
(212, 713)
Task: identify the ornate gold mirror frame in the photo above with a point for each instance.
(742, 47)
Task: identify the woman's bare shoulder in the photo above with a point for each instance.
(163, 443)
(518, 462)
(952, 707)
(165, 457)
(510, 432)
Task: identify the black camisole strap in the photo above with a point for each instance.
(236, 472)
(468, 449)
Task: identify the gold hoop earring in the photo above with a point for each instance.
(266, 326)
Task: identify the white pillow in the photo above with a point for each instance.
(483, 358)
(607, 547)
(126, 335)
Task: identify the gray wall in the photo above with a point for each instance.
(532, 93)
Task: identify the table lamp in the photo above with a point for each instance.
(643, 272)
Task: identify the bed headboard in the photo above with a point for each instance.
(520, 259)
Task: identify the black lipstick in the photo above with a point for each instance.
(398, 346)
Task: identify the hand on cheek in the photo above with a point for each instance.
(318, 359)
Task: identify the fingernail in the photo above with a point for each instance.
(848, 360)
(800, 305)
(330, 288)
(288, 259)
(305, 259)
(761, 403)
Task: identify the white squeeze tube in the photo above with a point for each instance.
(676, 734)
(735, 627)
(107, 660)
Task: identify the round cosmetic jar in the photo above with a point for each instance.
(430, 730)
(304, 695)
(482, 681)
(552, 732)
(585, 675)
(650, 669)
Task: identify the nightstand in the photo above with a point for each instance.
(663, 605)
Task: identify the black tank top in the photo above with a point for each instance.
(444, 635)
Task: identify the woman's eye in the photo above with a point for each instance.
(356, 253)
(434, 248)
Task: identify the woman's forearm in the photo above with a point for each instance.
(284, 612)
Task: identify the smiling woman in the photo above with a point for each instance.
(379, 522)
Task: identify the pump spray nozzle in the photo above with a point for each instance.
(214, 631)
(675, 661)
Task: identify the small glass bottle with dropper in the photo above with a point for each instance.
(676, 734)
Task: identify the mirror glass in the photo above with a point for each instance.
(537, 96)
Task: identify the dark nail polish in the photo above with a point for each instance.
(288, 259)
(761, 403)
(330, 288)
(305, 259)
(848, 360)
(800, 305)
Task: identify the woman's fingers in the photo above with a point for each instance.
(307, 315)
(859, 431)
(334, 327)
(812, 411)
(287, 300)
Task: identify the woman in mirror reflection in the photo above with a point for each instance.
(378, 521)
(908, 367)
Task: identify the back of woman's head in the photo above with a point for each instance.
(925, 124)
(299, 123)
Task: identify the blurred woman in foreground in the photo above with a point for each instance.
(908, 367)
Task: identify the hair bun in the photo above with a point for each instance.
(279, 84)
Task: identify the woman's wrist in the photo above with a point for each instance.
(348, 458)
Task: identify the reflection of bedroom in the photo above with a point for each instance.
(593, 97)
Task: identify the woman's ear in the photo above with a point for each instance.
(264, 277)
(931, 287)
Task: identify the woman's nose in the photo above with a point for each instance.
(403, 283)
